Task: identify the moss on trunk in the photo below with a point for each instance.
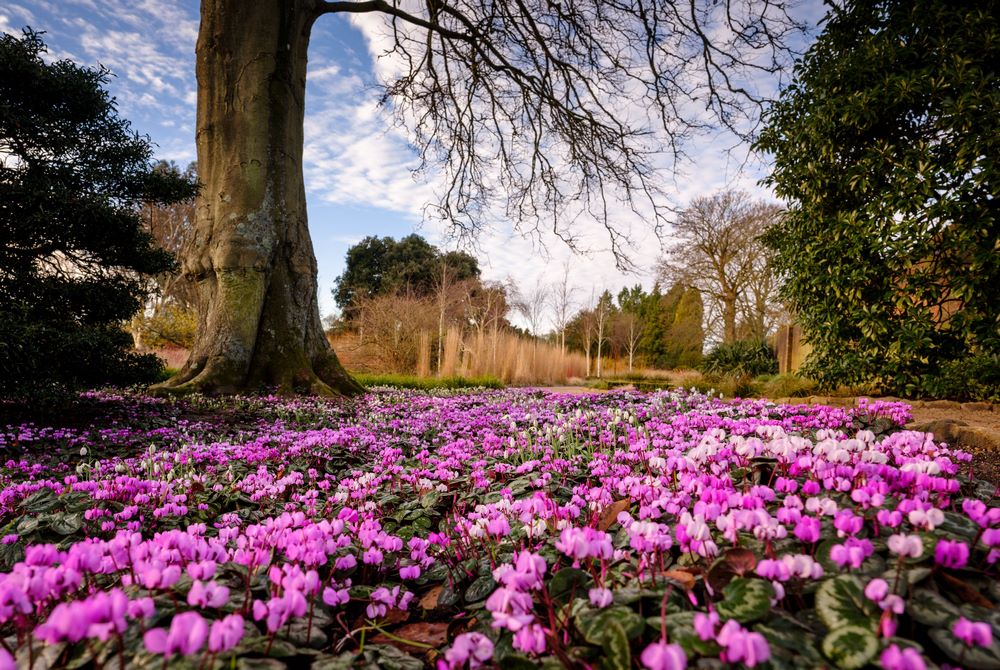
(251, 256)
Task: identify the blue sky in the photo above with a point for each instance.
(358, 169)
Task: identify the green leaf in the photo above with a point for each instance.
(850, 647)
(680, 629)
(746, 599)
(977, 658)
(618, 654)
(594, 623)
(931, 608)
(567, 582)
(66, 524)
(391, 658)
(841, 601)
(480, 589)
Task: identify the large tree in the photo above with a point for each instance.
(719, 251)
(73, 251)
(886, 147)
(546, 107)
(382, 265)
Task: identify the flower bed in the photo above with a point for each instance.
(508, 528)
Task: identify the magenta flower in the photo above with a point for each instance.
(336, 597)
(851, 553)
(511, 609)
(742, 646)
(225, 633)
(894, 658)
(207, 594)
(600, 597)
(877, 590)
(973, 633)
(952, 554)
(187, 634)
(586, 542)
(473, 648)
(530, 639)
(663, 656)
(705, 625)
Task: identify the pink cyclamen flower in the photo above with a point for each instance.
(952, 554)
(877, 590)
(894, 658)
(207, 594)
(186, 636)
(335, 597)
(906, 545)
(530, 639)
(141, 608)
(851, 553)
(473, 648)
(742, 646)
(225, 633)
(580, 543)
(409, 572)
(973, 633)
(663, 656)
(705, 625)
(600, 597)
(6, 660)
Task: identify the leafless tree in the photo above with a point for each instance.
(719, 252)
(562, 305)
(548, 110)
(627, 332)
(602, 316)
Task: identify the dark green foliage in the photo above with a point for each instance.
(672, 328)
(742, 358)
(972, 378)
(687, 337)
(886, 146)
(72, 248)
(378, 266)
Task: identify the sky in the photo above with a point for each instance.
(358, 168)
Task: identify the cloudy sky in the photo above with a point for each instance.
(359, 177)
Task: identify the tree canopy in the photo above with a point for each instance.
(886, 148)
(381, 265)
(73, 252)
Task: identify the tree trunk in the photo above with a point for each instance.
(251, 257)
(729, 319)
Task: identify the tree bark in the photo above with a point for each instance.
(252, 257)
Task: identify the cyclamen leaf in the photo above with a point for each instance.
(977, 658)
(931, 608)
(746, 599)
(841, 601)
(850, 647)
(618, 655)
(480, 589)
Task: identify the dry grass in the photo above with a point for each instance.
(496, 354)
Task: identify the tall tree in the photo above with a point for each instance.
(562, 305)
(719, 251)
(886, 147)
(73, 252)
(379, 266)
(521, 102)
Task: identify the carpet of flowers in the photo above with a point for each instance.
(505, 529)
